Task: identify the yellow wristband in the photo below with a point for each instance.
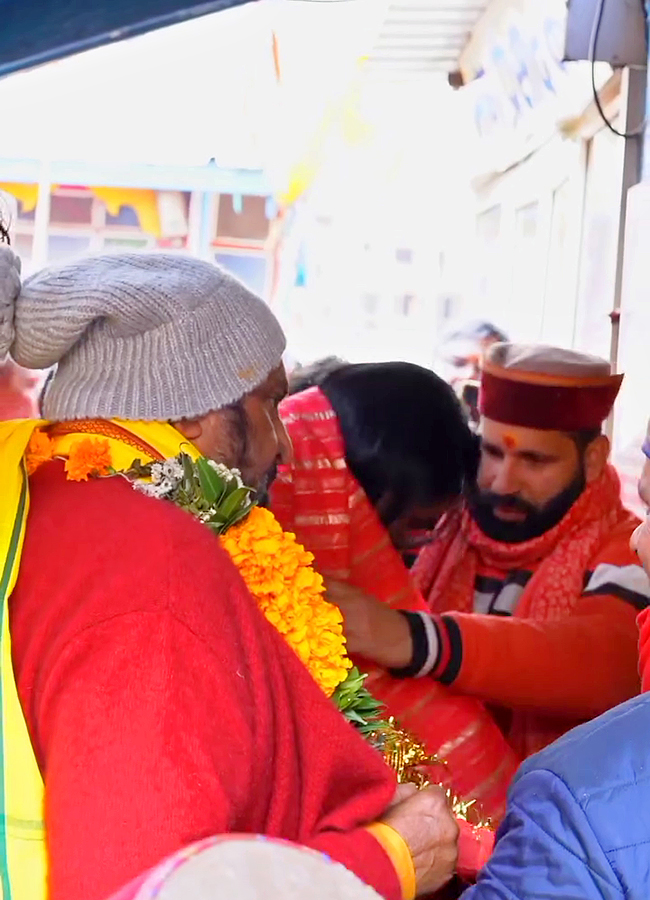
(399, 854)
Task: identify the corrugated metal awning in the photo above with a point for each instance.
(420, 37)
(38, 31)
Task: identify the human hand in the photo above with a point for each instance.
(640, 542)
(372, 629)
(426, 823)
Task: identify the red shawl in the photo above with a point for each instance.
(446, 569)
(319, 500)
(644, 650)
(162, 705)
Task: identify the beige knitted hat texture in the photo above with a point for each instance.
(152, 336)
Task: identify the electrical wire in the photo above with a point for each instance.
(593, 45)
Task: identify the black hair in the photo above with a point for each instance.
(583, 438)
(4, 233)
(478, 331)
(312, 375)
(406, 438)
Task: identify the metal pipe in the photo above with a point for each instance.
(645, 154)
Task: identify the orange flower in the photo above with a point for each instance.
(89, 456)
(39, 450)
(277, 571)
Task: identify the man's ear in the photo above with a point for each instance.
(595, 458)
(189, 428)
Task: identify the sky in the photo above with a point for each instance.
(201, 89)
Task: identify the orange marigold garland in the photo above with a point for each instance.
(278, 573)
(39, 450)
(88, 457)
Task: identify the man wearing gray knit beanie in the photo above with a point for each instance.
(161, 706)
(158, 337)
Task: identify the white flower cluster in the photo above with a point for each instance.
(171, 468)
(226, 473)
(158, 491)
(165, 478)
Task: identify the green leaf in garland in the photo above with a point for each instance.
(212, 485)
(243, 512)
(231, 487)
(138, 469)
(185, 484)
(217, 526)
(358, 705)
(231, 505)
(355, 717)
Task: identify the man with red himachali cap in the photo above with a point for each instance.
(532, 588)
(577, 823)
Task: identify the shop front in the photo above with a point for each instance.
(548, 179)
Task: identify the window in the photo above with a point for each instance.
(559, 299)
(244, 219)
(250, 268)
(71, 210)
(126, 216)
(527, 221)
(529, 269)
(25, 216)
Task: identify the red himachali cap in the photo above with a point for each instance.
(546, 388)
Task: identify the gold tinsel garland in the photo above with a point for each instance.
(409, 760)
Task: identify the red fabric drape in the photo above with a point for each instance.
(644, 649)
(319, 500)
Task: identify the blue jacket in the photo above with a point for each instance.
(578, 820)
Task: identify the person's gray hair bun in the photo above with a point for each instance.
(9, 291)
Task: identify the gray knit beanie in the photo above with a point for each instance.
(151, 336)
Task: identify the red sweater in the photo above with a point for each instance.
(162, 706)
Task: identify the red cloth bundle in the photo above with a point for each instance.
(475, 846)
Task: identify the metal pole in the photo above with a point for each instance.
(645, 156)
(636, 167)
(634, 100)
(629, 341)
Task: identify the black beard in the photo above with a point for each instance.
(538, 520)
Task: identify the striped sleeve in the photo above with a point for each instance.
(629, 583)
(616, 572)
(437, 648)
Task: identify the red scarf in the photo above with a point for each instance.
(644, 650)
(446, 570)
(319, 500)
